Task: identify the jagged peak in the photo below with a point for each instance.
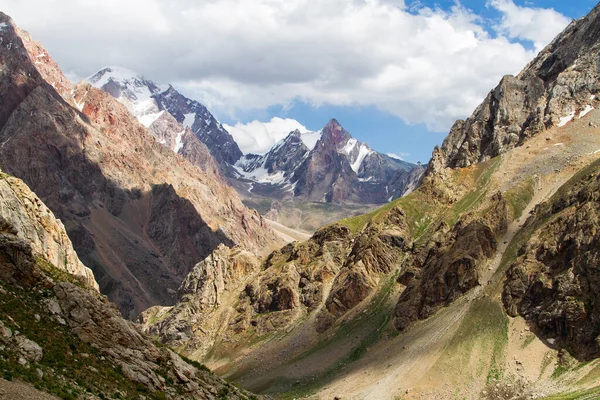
(115, 72)
(333, 123)
(125, 77)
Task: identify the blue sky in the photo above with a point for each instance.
(395, 73)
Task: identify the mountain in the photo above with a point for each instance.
(305, 170)
(311, 179)
(59, 334)
(149, 101)
(558, 85)
(138, 215)
(482, 283)
(327, 166)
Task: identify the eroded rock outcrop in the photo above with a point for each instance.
(449, 264)
(330, 274)
(558, 84)
(377, 251)
(197, 320)
(24, 214)
(555, 281)
(444, 269)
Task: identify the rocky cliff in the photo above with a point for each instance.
(559, 84)
(122, 196)
(23, 214)
(59, 334)
(554, 281)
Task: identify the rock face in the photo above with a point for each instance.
(555, 281)
(33, 222)
(183, 141)
(76, 317)
(106, 177)
(327, 166)
(204, 125)
(376, 251)
(149, 102)
(444, 269)
(231, 296)
(558, 84)
(203, 312)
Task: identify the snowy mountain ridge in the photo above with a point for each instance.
(149, 101)
(328, 165)
(133, 90)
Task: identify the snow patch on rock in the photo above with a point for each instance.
(178, 141)
(148, 119)
(349, 147)
(585, 111)
(363, 152)
(566, 119)
(189, 119)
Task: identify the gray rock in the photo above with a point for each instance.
(28, 348)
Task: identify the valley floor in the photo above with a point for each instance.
(287, 234)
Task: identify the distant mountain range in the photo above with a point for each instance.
(327, 166)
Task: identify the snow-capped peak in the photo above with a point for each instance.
(129, 79)
(117, 74)
(132, 89)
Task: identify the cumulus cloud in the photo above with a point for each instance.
(537, 25)
(258, 137)
(424, 65)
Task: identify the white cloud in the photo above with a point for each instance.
(423, 65)
(258, 137)
(537, 25)
(398, 157)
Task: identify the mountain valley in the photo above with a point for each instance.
(144, 256)
(411, 299)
